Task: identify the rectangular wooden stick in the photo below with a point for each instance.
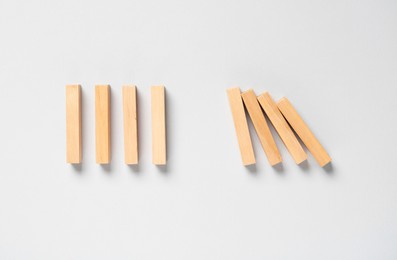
(73, 124)
(261, 127)
(287, 136)
(303, 131)
(241, 126)
(159, 150)
(102, 123)
(130, 125)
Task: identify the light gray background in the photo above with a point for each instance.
(335, 60)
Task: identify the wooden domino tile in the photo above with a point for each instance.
(73, 124)
(102, 123)
(287, 136)
(241, 126)
(303, 131)
(130, 124)
(159, 149)
(261, 127)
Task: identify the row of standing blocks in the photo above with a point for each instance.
(282, 115)
(102, 124)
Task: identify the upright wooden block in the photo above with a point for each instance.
(159, 149)
(261, 127)
(241, 126)
(304, 132)
(73, 124)
(130, 125)
(287, 136)
(102, 123)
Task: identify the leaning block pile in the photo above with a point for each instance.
(283, 117)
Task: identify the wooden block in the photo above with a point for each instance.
(261, 127)
(73, 124)
(130, 125)
(159, 149)
(241, 126)
(303, 131)
(287, 136)
(102, 123)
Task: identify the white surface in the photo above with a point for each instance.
(335, 60)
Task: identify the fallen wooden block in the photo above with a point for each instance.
(102, 123)
(159, 150)
(241, 126)
(303, 131)
(287, 136)
(130, 124)
(261, 127)
(73, 124)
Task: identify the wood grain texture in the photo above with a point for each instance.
(73, 124)
(261, 127)
(241, 126)
(303, 131)
(285, 132)
(159, 150)
(102, 123)
(130, 124)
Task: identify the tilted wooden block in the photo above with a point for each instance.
(73, 124)
(159, 150)
(287, 136)
(102, 123)
(303, 131)
(241, 126)
(130, 125)
(261, 127)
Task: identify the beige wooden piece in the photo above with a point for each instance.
(130, 125)
(159, 150)
(241, 126)
(303, 131)
(261, 127)
(102, 123)
(73, 124)
(287, 136)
